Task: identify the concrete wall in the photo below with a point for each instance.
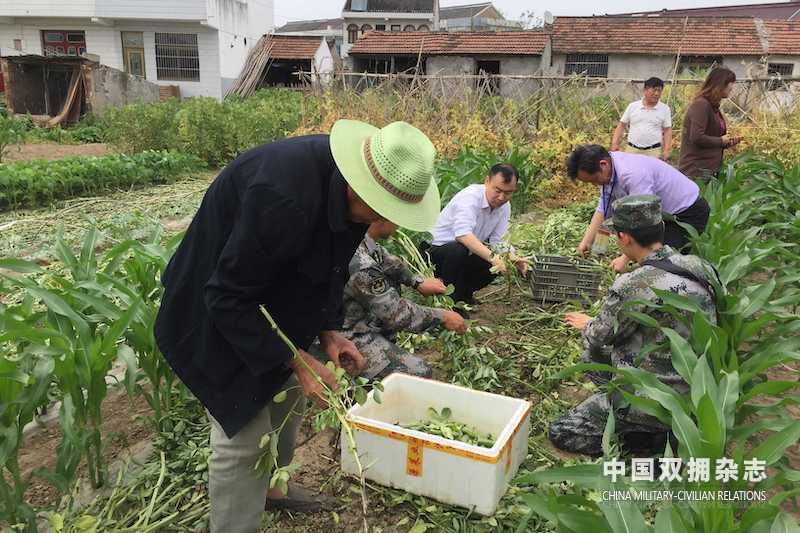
(109, 87)
(519, 66)
(451, 66)
(640, 66)
(106, 42)
(509, 66)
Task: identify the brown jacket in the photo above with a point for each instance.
(701, 140)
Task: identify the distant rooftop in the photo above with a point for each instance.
(463, 12)
(773, 11)
(310, 25)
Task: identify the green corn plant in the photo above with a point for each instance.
(133, 271)
(725, 365)
(24, 381)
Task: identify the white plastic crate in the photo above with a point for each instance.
(446, 470)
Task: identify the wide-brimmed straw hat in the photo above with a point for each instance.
(391, 169)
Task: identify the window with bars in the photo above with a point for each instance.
(177, 57)
(690, 64)
(778, 71)
(592, 65)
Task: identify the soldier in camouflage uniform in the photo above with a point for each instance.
(374, 310)
(615, 339)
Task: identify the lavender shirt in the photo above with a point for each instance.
(642, 174)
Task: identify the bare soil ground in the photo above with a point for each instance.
(26, 152)
(126, 423)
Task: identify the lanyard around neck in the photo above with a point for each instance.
(607, 199)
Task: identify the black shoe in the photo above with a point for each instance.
(300, 500)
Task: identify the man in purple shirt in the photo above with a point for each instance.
(619, 174)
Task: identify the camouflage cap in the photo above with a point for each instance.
(634, 212)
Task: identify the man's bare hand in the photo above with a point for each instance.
(342, 352)
(309, 372)
(431, 287)
(577, 320)
(498, 265)
(584, 247)
(453, 321)
(620, 264)
(521, 264)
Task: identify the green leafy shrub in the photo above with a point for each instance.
(471, 165)
(11, 132)
(31, 183)
(216, 132)
(138, 127)
(203, 124)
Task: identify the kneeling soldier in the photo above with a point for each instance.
(639, 227)
(375, 311)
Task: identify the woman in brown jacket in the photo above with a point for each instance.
(704, 135)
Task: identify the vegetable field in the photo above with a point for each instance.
(83, 242)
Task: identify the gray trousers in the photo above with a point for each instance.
(237, 494)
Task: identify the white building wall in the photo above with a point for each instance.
(240, 23)
(106, 42)
(135, 9)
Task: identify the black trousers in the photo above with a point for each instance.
(466, 271)
(696, 215)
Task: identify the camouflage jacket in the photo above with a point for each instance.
(625, 337)
(372, 299)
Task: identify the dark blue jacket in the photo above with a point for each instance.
(272, 229)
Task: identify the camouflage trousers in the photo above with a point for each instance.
(581, 429)
(384, 357)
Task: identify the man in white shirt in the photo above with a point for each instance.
(469, 234)
(649, 123)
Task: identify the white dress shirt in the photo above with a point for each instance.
(469, 212)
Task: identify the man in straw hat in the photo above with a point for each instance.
(277, 228)
(639, 227)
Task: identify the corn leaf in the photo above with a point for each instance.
(20, 266)
(683, 357)
(772, 450)
(784, 524)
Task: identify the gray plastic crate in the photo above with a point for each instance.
(559, 279)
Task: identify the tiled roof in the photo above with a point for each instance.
(395, 6)
(660, 35)
(783, 37)
(462, 12)
(310, 25)
(450, 43)
(776, 11)
(293, 46)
